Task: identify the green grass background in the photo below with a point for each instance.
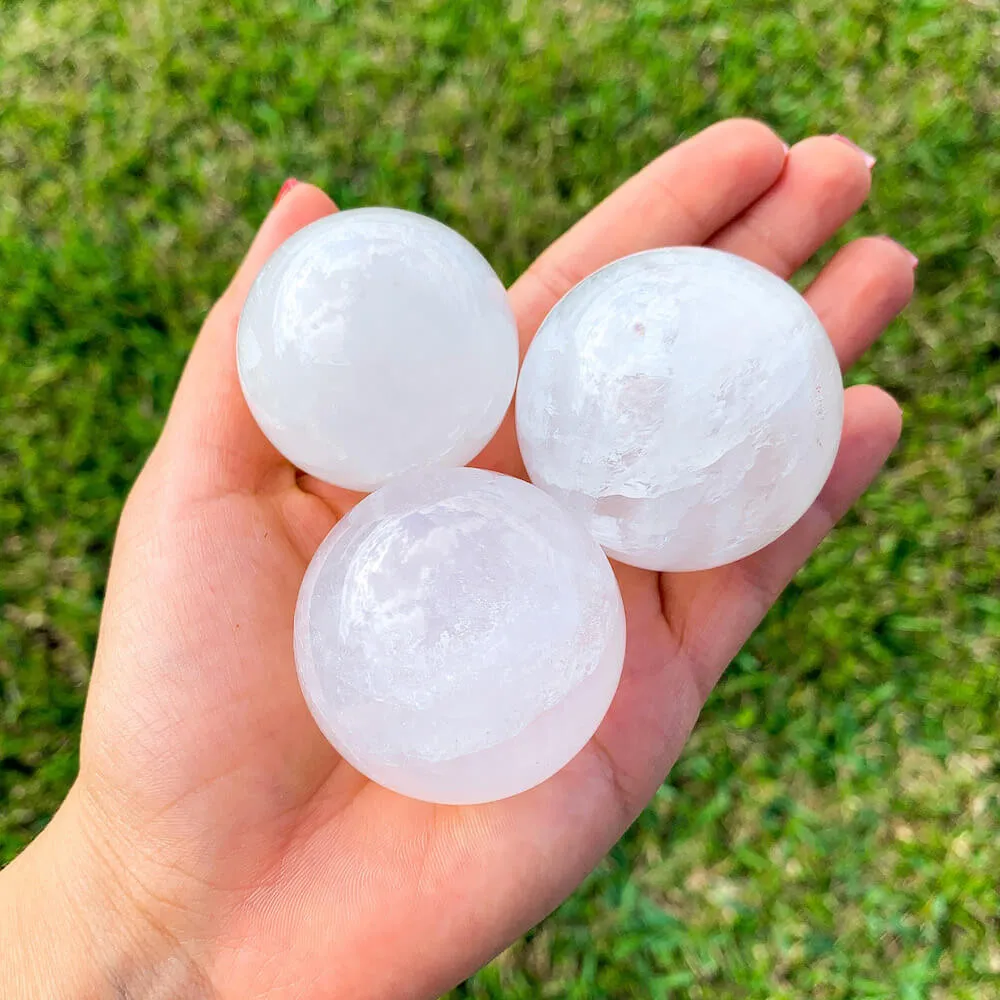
(833, 829)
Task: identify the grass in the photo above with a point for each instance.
(833, 829)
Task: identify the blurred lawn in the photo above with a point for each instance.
(833, 829)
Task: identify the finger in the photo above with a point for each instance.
(681, 198)
(825, 181)
(860, 292)
(712, 612)
(209, 420)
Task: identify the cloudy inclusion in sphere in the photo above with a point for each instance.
(685, 402)
(458, 636)
(376, 341)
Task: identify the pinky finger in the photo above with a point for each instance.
(743, 591)
(872, 425)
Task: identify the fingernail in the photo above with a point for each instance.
(285, 188)
(913, 258)
(870, 160)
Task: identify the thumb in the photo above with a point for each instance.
(209, 422)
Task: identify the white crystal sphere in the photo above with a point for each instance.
(685, 402)
(376, 341)
(459, 636)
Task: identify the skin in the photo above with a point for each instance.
(214, 845)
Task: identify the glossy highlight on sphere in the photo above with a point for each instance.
(686, 403)
(374, 342)
(458, 636)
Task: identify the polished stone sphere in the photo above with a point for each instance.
(374, 342)
(459, 636)
(685, 403)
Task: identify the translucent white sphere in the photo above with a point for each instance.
(685, 402)
(459, 636)
(376, 341)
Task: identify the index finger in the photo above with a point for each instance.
(209, 419)
(680, 199)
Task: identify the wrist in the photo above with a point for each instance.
(70, 931)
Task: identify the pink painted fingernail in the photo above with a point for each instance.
(913, 258)
(285, 188)
(870, 160)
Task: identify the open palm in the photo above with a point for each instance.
(224, 817)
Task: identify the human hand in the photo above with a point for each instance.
(214, 845)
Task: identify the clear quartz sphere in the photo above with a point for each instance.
(686, 403)
(459, 636)
(377, 341)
